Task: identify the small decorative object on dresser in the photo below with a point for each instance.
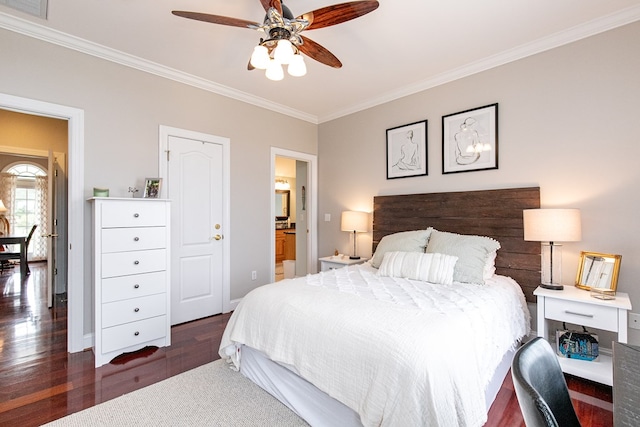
(152, 187)
(131, 275)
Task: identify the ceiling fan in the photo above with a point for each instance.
(284, 43)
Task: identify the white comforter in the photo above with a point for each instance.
(399, 352)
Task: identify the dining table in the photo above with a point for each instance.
(17, 240)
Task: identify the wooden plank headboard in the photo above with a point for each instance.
(492, 213)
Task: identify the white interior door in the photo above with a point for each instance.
(196, 189)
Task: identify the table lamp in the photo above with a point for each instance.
(356, 222)
(551, 226)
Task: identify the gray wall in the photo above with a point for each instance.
(568, 122)
(123, 109)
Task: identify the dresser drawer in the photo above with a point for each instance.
(122, 213)
(133, 239)
(578, 313)
(131, 310)
(137, 262)
(137, 285)
(130, 334)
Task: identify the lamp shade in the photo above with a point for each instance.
(354, 221)
(3, 208)
(552, 225)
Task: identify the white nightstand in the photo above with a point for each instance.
(578, 307)
(331, 262)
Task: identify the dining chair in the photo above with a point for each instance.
(5, 257)
(541, 389)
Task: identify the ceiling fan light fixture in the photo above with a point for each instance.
(297, 67)
(283, 52)
(260, 57)
(274, 71)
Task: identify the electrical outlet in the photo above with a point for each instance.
(254, 275)
(634, 321)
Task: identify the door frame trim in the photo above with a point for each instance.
(312, 205)
(164, 133)
(75, 251)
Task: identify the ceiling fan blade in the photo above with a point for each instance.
(216, 19)
(315, 51)
(276, 4)
(338, 13)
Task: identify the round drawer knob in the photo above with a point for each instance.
(136, 309)
(136, 215)
(136, 286)
(136, 262)
(136, 333)
(136, 239)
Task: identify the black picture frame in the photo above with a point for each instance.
(407, 150)
(470, 140)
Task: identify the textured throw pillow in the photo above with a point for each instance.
(472, 252)
(405, 241)
(490, 266)
(434, 268)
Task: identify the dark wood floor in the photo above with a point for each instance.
(40, 381)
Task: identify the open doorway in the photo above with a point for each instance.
(74, 246)
(34, 195)
(293, 213)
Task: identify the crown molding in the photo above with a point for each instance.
(591, 28)
(40, 32)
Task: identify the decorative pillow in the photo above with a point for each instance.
(405, 241)
(472, 252)
(490, 266)
(434, 268)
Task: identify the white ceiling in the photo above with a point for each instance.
(403, 47)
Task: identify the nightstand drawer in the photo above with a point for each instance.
(577, 313)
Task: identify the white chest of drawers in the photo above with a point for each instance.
(130, 275)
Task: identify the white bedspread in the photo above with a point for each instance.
(399, 352)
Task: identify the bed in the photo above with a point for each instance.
(422, 334)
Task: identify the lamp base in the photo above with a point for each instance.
(552, 286)
(354, 257)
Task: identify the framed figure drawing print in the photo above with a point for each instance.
(470, 140)
(407, 150)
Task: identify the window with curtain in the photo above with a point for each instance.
(24, 189)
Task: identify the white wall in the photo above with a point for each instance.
(123, 110)
(568, 122)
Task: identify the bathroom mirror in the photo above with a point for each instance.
(282, 204)
(598, 270)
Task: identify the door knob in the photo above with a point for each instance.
(218, 237)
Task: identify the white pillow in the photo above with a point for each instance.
(434, 268)
(490, 266)
(472, 252)
(405, 241)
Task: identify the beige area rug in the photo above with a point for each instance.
(210, 395)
